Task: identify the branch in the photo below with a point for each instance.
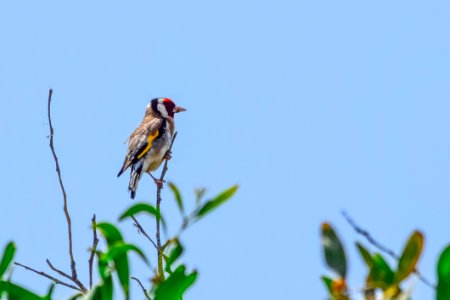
(141, 230)
(62, 273)
(74, 277)
(158, 205)
(56, 281)
(94, 247)
(142, 287)
(58, 171)
(382, 248)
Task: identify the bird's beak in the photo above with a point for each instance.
(178, 109)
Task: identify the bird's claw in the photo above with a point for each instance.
(168, 155)
(159, 183)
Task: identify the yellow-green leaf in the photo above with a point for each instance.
(381, 275)
(138, 208)
(212, 204)
(365, 254)
(410, 256)
(177, 194)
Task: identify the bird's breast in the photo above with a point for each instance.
(155, 156)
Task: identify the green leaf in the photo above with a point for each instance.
(77, 296)
(410, 256)
(381, 275)
(177, 195)
(103, 291)
(365, 254)
(143, 207)
(113, 237)
(173, 256)
(110, 232)
(95, 294)
(119, 249)
(108, 288)
(16, 292)
(369, 292)
(103, 268)
(50, 292)
(333, 250)
(328, 284)
(138, 208)
(443, 272)
(212, 204)
(174, 287)
(8, 255)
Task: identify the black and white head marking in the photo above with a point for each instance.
(162, 108)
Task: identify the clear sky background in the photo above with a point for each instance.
(311, 106)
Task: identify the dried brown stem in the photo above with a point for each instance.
(56, 281)
(142, 287)
(381, 247)
(62, 273)
(141, 230)
(158, 206)
(74, 276)
(94, 247)
(63, 190)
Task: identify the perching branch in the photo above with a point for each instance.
(381, 247)
(158, 205)
(143, 288)
(56, 281)
(94, 247)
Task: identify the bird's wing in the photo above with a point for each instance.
(140, 141)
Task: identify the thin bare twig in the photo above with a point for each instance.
(143, 288)
(74, 276)
(381, 247)
(56, 281)
(141, 230)
(94, 247)
(158, 205)
(62, 273)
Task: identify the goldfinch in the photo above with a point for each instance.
(149, 143)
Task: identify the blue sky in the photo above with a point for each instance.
(311, 106)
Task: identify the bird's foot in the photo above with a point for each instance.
(168, 155)
(159, 183)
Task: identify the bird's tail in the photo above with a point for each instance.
(135, 176)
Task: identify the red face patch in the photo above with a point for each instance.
(169, 106)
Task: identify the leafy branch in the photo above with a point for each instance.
(381, 247)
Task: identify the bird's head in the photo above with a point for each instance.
(163, 107)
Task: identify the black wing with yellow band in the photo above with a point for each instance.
(140, 143)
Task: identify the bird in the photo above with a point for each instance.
(149, 143)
